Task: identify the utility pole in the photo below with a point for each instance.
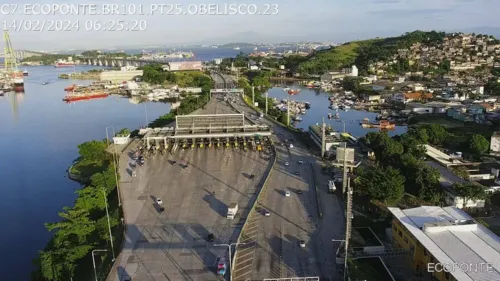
(253, 95)
(344, 176)
(323, 131)
(266, 101)
(109, 224)
(288, 112)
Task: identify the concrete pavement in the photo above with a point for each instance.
(276, 251)
(172, 245)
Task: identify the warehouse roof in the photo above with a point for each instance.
(454, 238)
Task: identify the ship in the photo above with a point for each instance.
(237, 48)
(25, 72)
(293, 92)
(336, 116)
(85, 96)
(64, 64)
(308, 105)
(18, 84)
(330, 116)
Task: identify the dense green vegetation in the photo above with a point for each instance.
(155, 74)
(400, 166)
(84, 227)
(96, 53)
(363, 53)
(46, 59)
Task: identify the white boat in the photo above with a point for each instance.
(286, 89)
(237, 48)
(334, 106)
(255, 49)
(336, 116)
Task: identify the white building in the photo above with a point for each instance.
(447, 179)
(495, 143)
(218, 61)
(447, 237)
(354, 71)
(480, 90)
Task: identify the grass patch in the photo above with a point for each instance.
(86, 168)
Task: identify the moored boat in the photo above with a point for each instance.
(293, 91)
(85, 96)
(25, 72)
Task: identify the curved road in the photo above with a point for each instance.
(172, 245)
(274, 249)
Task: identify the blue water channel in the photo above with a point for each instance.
(39, 138)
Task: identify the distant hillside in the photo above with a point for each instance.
(363, 53)
(241, 45)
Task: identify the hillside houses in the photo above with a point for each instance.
(462, 52)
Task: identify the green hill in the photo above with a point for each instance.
(362, 53)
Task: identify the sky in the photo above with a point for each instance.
(268, 21)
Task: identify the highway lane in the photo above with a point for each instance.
(276, 252)
(172, 245)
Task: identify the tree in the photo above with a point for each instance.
(420, 133)
(93, 150)
(478, 144)
(469, 191)
(437, 133)
(387, 150)
(383, 184)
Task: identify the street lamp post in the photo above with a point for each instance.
(345, 255)
(229, 247)
(93, 261)
(109, 223)
(115, 164)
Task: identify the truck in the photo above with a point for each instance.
(331, 186)
(232, 210)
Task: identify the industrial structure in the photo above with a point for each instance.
(205, 130)
(11, 78)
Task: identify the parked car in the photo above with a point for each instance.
(287, 164)
(287, 193)
(221, 267)
(299, 191)
(267, 213)
(159, 201)
(301, 162)
(302, 243)
(161, 210)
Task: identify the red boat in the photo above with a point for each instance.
(18, 85)
(294, 92)
(85, 96)
(70, 88)
(65, 64)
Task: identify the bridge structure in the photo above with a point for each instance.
(22, 54)
(225, 127)
(117, 61)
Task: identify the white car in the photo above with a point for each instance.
(291, 145)
(302, 243)
(287, 193)
(159, 201)
(301, 162)
(267, 213)
(287, 164)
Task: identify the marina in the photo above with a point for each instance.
(320, 101)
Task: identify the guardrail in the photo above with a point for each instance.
(255, 203)
(318, 200)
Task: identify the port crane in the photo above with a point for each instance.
(13, 78)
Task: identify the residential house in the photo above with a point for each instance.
(495, 143)
(409, 97)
